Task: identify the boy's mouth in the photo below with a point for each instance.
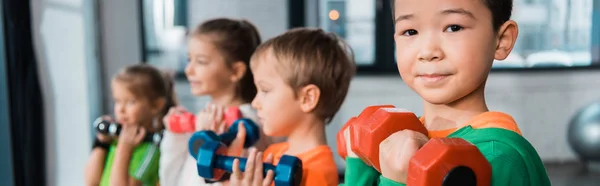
(432, 78)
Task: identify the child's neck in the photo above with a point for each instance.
(227, 100)
(455, 114)
(308, 134)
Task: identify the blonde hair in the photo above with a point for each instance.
(312, 56)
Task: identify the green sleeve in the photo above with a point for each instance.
(383, 181)
(508, 167)
(144, 164)
(359, 173)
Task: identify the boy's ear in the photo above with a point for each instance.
(507, 36)
(238, 68)
(309, 97)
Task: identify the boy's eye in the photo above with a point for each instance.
(454, 28)
(410, 32)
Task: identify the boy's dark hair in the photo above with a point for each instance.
(501, 11)
(311, 56)
(236, 40)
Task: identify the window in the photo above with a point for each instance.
(552, 33)
(555, 33)
(366, 27)
(353, 20)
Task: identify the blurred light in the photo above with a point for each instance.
(334, 15)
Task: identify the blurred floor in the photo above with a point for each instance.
(561, 174)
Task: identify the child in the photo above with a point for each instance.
(445, 51)
(219, 60)
(142, 96)
(302, 77)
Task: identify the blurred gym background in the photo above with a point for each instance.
(57, 57)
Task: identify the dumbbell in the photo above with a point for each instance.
(212, 164)
(341, 140)
(114, 129)
(186, 121)
(367, 132)
(201, 137)
(448, 162)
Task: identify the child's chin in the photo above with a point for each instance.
(271, 132)
(437, 98)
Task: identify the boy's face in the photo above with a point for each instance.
(276, 104)
(444, 49)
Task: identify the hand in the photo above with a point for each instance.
(253, 175)
(103, 137)
(211, 118)
(396, 151)
(237, 145)
(131, 135)
(172, 111)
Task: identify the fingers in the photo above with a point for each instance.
(237, 173)
(237, 145)
(222, 127)
(249, 174)
(258, 171)
(269, 158)
(107, 118)
(218, 113)
(269, 178)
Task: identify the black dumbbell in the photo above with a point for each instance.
(212, 164)
(114, 129)
(252, 135)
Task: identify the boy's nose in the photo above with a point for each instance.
(430, 49)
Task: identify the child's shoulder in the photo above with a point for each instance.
(495, 120)
(509, 154)
(319, 166)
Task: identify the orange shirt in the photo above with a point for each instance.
(483, 120)
(318, 166)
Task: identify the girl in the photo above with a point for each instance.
(219, 55)
(142, 95)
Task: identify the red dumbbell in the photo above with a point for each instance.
(448, 161)
(368, 132)
(186, 122)
(341, 141)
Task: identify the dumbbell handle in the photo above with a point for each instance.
(226, 163)
(228, 137)
(114, 129)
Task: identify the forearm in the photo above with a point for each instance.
(120, 170)
(95, 166)
(358, 173)
(174, 153)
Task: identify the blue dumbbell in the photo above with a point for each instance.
(200, 137)
(212, 164)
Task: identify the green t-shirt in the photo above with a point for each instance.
(513, 159)
(143, 165)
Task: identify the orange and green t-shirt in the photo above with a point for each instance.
(513, 159)
(318, 165)
(484, 120)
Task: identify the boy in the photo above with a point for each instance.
(302, 78)
(445, 51)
